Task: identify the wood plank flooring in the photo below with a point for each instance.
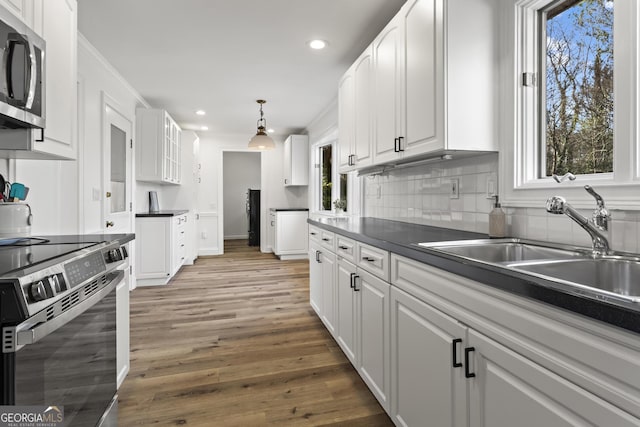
(232, 341)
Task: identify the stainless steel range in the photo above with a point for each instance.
(58, 320)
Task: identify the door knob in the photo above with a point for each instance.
(109, 223)
(108, 193)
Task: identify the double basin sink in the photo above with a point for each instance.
(614, 275)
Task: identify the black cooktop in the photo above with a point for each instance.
(28, 254)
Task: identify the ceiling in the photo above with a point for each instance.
(220, 56)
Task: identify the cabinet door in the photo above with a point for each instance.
(315, 279)
(153, 243)
(287, 160)
(425, 385)
(346, 111)
(374, 363)
(59, 29)
(347, 309)
(122, 328)
(387, 76)
(20, 8)
(509, 390)
(329, 289)
(423, 81)
(291, 232)
(363, 100)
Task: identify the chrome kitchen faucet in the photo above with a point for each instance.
(598, 223)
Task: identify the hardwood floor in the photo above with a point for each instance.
(232, 341)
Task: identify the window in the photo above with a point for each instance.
(328, 184)
(570, 91)
(577, 88)
(326, 177)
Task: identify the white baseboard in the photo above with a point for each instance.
(237, 237)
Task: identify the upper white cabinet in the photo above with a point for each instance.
(296, 160)
(56, 22)
(158, 147)
(433, 85)
(59, 29)
(23, 9)
(355, 99)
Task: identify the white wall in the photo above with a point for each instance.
(241, 171)
(273, 193)
(98, 79)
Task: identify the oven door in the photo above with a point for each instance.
(71, 363)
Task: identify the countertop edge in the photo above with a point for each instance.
(167, 213)
(625, 315)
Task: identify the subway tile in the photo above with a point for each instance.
(537, 227)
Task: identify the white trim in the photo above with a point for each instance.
(519, 185)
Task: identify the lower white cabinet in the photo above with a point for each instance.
(122, 326)
(322, 283)
(291, 231)
(363, 326)
(160, 248)
(509, 389)
(439, 349)
(493, 361)
(428, 381)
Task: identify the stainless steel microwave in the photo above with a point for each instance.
(22, 75)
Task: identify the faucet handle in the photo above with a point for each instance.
(595, 195)
(601, 215)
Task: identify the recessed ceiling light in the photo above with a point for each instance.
(204, 127)
(270, 130)
(201, 112)
(317, 44)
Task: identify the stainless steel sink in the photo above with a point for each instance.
(577, 270)
(616, 276)
(503, 251)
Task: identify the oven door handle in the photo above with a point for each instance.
(35, 334)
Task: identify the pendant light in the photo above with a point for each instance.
(261, 141)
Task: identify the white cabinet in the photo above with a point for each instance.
(23, 9)
(508, 387)
(425, 346)
(494, 358)
(122, 325)
(372, 329)
(291, 234)
(439, 360)
(158, 147)
(421, 70)
(363, 326)
(296, 160)
(179, 242)
(59, 29)
(323, 285)
(160, 248)
(354, 110)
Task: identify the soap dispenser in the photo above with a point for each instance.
(497, 220)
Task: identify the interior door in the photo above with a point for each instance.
(118, 209)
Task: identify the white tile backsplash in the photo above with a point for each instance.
(421, 195)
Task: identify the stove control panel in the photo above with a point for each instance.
(47, 287)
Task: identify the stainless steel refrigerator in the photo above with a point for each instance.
(253, 215)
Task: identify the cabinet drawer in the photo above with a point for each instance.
(346, 248)
(314, 234)
(327, 240)
(373, 260)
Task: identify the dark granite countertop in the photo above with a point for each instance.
(289, 209)
(161, 213)
(400, 238)
(86, 238)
